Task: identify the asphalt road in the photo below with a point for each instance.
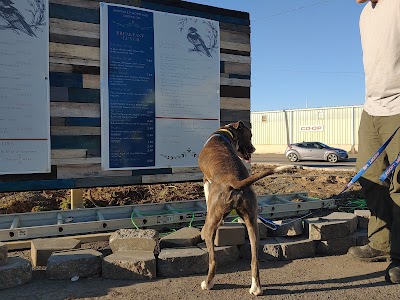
(280, 159)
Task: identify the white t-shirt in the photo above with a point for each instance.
(380, 39)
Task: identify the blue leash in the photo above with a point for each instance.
(390, 169)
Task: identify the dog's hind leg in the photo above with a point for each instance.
(206, 190)
(252, 229)
(210, 226)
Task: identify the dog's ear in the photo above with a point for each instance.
(238, 125)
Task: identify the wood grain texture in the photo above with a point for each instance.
(235, 82)
(237, 68)
(234, 103)
(74, 130)
(70, 109)
(87, 171)
(235, 91)
(75, 161)
(70, 153)
(65, 51)
(228, 115)
(179, 177)
(75, 142)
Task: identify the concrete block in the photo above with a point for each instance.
(137, 265)
(296, 247)
(17, 271)
(41, 249)
(335, 225)
(262, 229)
(173, 262)
(363, 218)
(287, 227)
(224, 255)
(336, 246)
(268, 250)
(3, 253)
(134, 239)
(82, 263)
(230, 234)
(184, 237)
(361, 237)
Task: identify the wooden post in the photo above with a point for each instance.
(76, 198)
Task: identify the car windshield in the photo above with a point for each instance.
(324, 146)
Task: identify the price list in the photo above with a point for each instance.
(131, 85)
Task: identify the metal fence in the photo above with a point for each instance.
(335, 126)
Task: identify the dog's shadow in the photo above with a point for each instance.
(229, 286)
(244, 265)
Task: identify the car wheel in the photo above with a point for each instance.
(332, 158)
(292, 157)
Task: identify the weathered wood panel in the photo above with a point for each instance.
(74, 130)
(74, 56)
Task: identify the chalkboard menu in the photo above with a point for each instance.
(24, 87)
(159, 87)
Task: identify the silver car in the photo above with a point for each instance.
(314, 151)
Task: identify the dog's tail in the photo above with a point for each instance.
(239, 184)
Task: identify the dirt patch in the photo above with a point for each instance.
(316, 183)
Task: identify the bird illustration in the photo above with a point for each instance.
(197, 41)
(14, 18)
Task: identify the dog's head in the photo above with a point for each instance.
(242, 139)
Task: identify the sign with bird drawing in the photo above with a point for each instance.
(24, 87)
(159, 87)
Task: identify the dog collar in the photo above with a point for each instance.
(220, 135)
(227, 131)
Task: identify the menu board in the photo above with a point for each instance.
(24, 87)
(159, 87)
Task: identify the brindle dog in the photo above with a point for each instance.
(227, 186)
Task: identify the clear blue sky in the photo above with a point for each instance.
(305, 53)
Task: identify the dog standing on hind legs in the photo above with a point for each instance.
(227, 186)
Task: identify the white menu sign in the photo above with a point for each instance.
(160, 80)
(24, 87)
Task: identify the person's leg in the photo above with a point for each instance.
(375, 193)
(387, 126)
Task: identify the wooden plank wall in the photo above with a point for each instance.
(75, 93)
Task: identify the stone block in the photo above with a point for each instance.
(230, 234)
(335, 225)
(134, 239)
(262, 229)
(296, 247)
(82, 263)
(268, 250)
(287, 227)
(336, 246)
(137, 265)
(173, 262)
(17, 271)
(184, 237)
(41, 249)
(363, 218)
(224, 255)
(3, 253)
